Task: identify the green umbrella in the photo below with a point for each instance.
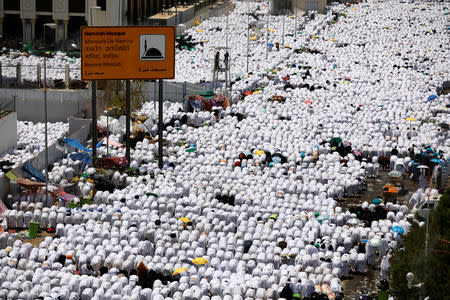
(321, 218)
(335, 140)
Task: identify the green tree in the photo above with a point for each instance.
(433, 269)
(115, 95)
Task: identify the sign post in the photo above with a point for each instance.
(160, 125)
(94, 122)
(128, 53)
(127, 120)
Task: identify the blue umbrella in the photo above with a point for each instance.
(276, 159)
(270, 45)
(435, 160)
(376, 201)
(432, 97)
(398, 229)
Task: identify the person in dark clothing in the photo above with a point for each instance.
(394, 151)
(103, 270)
(216, 61)
(226, 59)
(287, 293)
(362, 247)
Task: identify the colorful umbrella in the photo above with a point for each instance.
(200, 261)
(184, 219)
(321, 218)
(398, 229)
(436, 160)
(178, 271)
(308, 102)
(431, 97)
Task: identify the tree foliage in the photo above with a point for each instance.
(433, 269)
(115, 91)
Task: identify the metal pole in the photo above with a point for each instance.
(160, 125)
(176, 14)
(425, 250)
(107, 129)
(120, 13)
(248, 31)
(282, 33)
(127, 125)
(226, 38)
(45, 117)
(295, 24)
(267, 29)
(248, 39)
(154, 95)
(94, 121)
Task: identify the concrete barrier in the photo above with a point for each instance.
(54, 154)
(8, 132)
(29, 103)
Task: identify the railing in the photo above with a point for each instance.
(32, 76)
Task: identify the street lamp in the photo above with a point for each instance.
(90, 13)
(410, 278)
(51, 26)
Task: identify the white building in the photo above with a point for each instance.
(277, 6)
(24, 19)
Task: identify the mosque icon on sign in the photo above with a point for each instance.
(152, 47)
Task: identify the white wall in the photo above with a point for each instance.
(8, 132)
(60, 104)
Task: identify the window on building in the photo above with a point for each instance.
(44, 5)
(77, 6)
(11, 5)
(102, 4)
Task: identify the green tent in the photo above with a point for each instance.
(208, 94)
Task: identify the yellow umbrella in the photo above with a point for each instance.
(334, 40)
(253, 38)
(199, 30)
(184, 219)
(256, 92)
(410, 119)
(259, 152)
(314, 36)
(178, 271)
(200, 261)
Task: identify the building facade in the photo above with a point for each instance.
(279, 6)
(24, 20)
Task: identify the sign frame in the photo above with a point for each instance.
(168, 60)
